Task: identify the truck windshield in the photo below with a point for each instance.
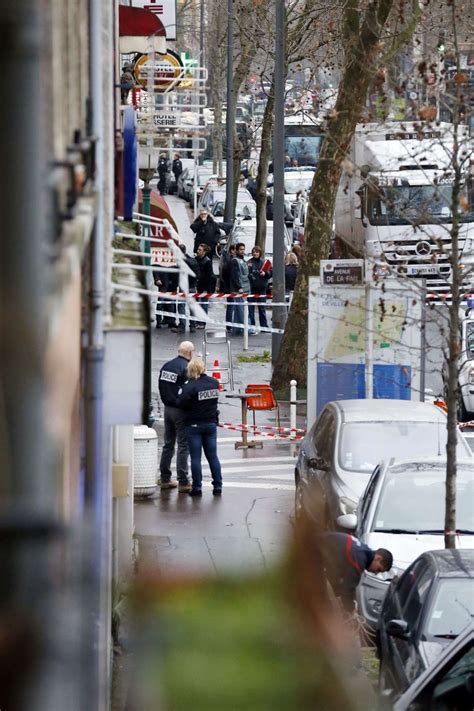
(417, 204)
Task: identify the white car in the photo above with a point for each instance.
(215, 192)
(296, 181)
(402, 509)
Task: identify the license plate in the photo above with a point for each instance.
(422, 269)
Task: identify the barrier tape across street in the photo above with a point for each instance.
(271, 435)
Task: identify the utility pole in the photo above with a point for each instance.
(279, 312)
(229, 121)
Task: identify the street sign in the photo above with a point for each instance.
(342, 272)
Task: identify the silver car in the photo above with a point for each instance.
(402, 509)
(348, 440)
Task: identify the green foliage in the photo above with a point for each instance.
(228, 645)
(264, 357)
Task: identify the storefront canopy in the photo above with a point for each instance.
(140, 31)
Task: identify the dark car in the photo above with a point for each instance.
(426, 608)
(448, 684)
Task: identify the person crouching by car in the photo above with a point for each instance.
(260, 271)
(198, 399)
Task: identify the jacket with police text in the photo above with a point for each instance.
(172, 376)
(199, 399)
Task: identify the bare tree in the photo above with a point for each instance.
(361, 34)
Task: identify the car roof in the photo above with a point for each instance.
(453, 563)
(380, 410)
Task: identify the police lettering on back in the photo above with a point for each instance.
(208, 395)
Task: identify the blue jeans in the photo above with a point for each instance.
(237, 314)
(204, 436)
(262, 316)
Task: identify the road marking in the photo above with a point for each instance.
(252, 485)
(256, 460)
(250, 470)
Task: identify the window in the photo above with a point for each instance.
(324, 436)
(368, 495)
(414, 605)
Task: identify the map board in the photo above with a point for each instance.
(337, 342)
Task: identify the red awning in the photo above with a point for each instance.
(137, 22)
(159, 208)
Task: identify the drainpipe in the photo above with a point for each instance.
(27, 489)
(97, 484)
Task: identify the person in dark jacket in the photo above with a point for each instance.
(207, 232)
(224, 286)
(172, 377)
(291, 272)
(199, 398)
(192, 280)
(259, 273)
(206, 280)
(345, 560)
(177, 167)
(162, 169)
(166, 281)
(240, 282)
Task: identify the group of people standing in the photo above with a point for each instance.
(190, 399)
(163, 169)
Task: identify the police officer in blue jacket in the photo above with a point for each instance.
(172, 376)
(198, 399)
(346, 558)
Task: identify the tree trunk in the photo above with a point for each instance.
(262, 173)
(454, 345)
(318, 231)
(362, 39)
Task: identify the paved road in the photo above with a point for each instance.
(244, 530)
(247, 529)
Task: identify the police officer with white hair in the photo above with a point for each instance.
(172, 376)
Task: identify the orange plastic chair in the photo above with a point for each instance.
(266, 401)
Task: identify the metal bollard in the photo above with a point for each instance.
(293, 395)
(246, 324)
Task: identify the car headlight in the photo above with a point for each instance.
(347, 505)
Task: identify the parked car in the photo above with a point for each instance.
(402, 509)
(203, 177)
(245, 209)
(349, 439)
(426, 608)
(296, 181)
(448, 684)
(215, 193)
(185, 181)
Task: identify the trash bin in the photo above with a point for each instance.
(145, 459)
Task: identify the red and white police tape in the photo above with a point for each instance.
(253, 431)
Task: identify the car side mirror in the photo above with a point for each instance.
(398, 628)
(347, 521)
(318, 463)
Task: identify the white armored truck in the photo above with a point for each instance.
(394, 201)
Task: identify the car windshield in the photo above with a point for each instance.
(295, 184)
(414, 496)
(203, 177)
(364, 444)
(452, 609)
(417, 204)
